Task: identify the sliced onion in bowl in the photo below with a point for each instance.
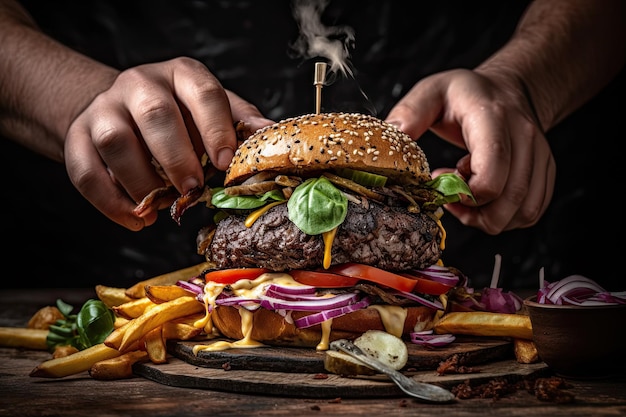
(578, 290)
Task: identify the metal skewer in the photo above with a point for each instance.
(318, 82)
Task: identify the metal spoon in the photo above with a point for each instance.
(421, 390)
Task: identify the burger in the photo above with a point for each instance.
(327, 225)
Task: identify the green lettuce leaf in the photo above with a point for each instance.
(317, 206)
(243, 202)
(449, 186)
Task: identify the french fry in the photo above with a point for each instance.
(62, 351)
(45, 317)
(161, 293)
(120, 321)
(155, 345)
(115, 338)
(482, 323)
(75, 363)
(138, 290)
(124, 337)
(525, 351)
(119, 367)
(22, 337)
(182, 329)
(133, 309)
(112, 296)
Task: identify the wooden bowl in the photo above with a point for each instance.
(580, 342)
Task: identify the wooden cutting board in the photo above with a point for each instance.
(299, 372)
(283, 359)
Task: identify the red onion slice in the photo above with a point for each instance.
(439, 274)
(272, 293)
(291, 289)
(320, 303)
(317, 318)
(427, 338)
(424, 301)
(578, 290)
(190, 286)
(247, 303)
(497, 301)
(572, 285)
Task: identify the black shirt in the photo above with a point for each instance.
(56, 238)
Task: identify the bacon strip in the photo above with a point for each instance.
(157, 199)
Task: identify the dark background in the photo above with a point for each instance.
(53, 237)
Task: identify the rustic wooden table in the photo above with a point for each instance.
(79, 395)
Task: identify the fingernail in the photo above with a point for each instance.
(224, 156)
(189, 183)
(395, 123)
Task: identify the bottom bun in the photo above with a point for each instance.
(272, 329)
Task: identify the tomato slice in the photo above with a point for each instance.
(426, 285)
(230, 276)
(376, 275)
(322, 279)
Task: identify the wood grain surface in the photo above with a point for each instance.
(469, 350)
(179, 373)
(80, 395)
(299, 372)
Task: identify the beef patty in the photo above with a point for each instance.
(389, 238)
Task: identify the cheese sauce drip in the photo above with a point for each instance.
(393, 318)
(442, 245)
(245, 288)
(328, 237)
(254, 216)
(324, 343)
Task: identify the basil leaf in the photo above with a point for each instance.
(450, 186)
(221, 200)
(317, 206)
(90, 326)
(274, 195)
(64, 308)
(94, 322)
(243, 202)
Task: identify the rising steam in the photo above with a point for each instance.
(317, 40)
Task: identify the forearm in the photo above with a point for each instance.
(563, 53)
(44, 84)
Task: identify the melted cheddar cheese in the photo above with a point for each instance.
(254, 216)
(442, 245)
(393, 318)
(328, 237)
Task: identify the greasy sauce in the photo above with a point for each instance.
(442, 245)
(254, 216)
(328, 238)
(243, 288)
(324, 343)
(393, 318)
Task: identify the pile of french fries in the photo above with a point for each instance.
(148, 314)
(153, 311)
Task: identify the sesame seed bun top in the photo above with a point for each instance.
(317, 142)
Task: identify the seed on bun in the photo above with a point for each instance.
(317, 142)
